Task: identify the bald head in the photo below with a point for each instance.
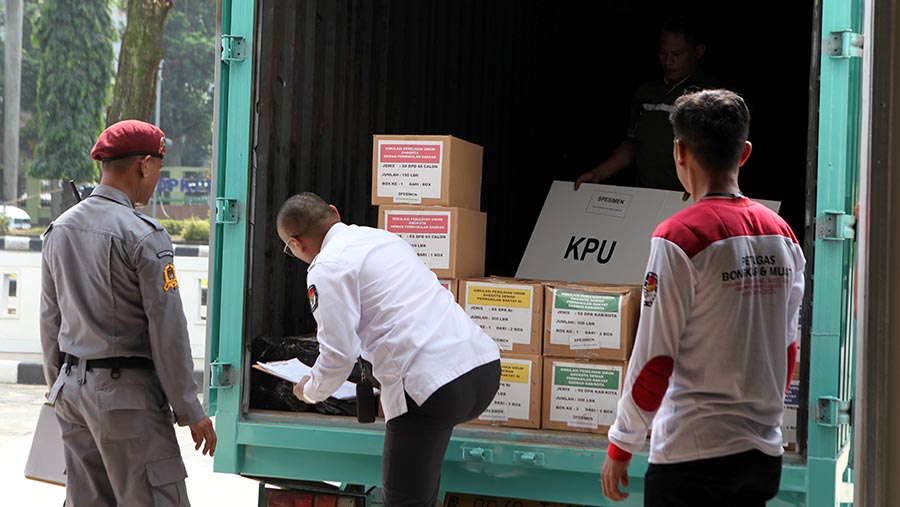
(307, 215)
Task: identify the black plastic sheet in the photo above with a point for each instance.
(268, 392)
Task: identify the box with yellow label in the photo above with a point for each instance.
(580, 394)
(518, 401)
(509, 310)
(590, 321)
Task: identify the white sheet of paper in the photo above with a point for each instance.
(293, 370)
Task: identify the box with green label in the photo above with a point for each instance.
(518, 401)
(580, 394)
(509, 310)
(590, 321)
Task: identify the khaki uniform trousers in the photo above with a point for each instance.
(119, 439)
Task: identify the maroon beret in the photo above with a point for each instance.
(129, 138)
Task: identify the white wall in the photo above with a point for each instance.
(21, 333)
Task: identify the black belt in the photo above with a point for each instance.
(114, 363)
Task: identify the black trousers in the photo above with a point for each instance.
(415, 442)
(747, 479)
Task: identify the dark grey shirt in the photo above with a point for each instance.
(109, 289)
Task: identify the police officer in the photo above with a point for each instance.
(372, 296)
(114, 336)
(648, 140)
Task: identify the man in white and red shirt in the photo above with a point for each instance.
(715, 346)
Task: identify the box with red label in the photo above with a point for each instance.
(590, 321)
(518, 401)
(581, 395)
(450, 284)
(509, 310)
(426, 170)
(450, 241)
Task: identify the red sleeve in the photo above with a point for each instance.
(616, 453)
(792, 363)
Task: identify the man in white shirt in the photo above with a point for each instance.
(373, 297)
(715, 347)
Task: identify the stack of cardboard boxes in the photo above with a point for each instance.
(428, 192)
(564, 349)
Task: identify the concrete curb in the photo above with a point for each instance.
(18, 372)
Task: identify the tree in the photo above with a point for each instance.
(188, 80)
(12, 99)
(75, 39)
(142, 49)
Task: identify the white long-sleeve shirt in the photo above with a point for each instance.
(724, 284)
(372, 296)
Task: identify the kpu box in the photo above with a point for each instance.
(518, 401)
(450, 241)
(590, 321)
(426, 170)
(581, 395)
(510, 311)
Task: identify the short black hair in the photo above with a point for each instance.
(686, 26)
(304, 214)
(713, 125)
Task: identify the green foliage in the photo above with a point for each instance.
(75, 40)
(196, 230)
(4, 223)
(188, 80)
(173, 227)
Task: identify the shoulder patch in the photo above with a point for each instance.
(170, 282)
(153, 223)
(313, 295)
(651, 285)
(165, 253)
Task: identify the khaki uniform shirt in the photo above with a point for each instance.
(109, 289)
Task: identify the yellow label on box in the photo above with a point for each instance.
(499, 296)
(514, 373)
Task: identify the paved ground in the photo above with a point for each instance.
(19, 407)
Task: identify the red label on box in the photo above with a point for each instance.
(418, 224)
(410, 153)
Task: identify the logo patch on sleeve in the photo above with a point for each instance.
(651, 285)
(170, 282)
(313, 295)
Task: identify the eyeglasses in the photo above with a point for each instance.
(288, 252)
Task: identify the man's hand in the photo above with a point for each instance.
(587, 177)
(201, 432)
(298, 389)
(613, 473)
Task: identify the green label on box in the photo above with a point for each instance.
(587, 302)
(591, 378)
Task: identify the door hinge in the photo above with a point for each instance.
(835, 225)
(833, 412)
(233, 48)
(221, 375)
(844, 44)
(226, 210)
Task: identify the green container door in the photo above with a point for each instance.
(230, 249)
(831, 371)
